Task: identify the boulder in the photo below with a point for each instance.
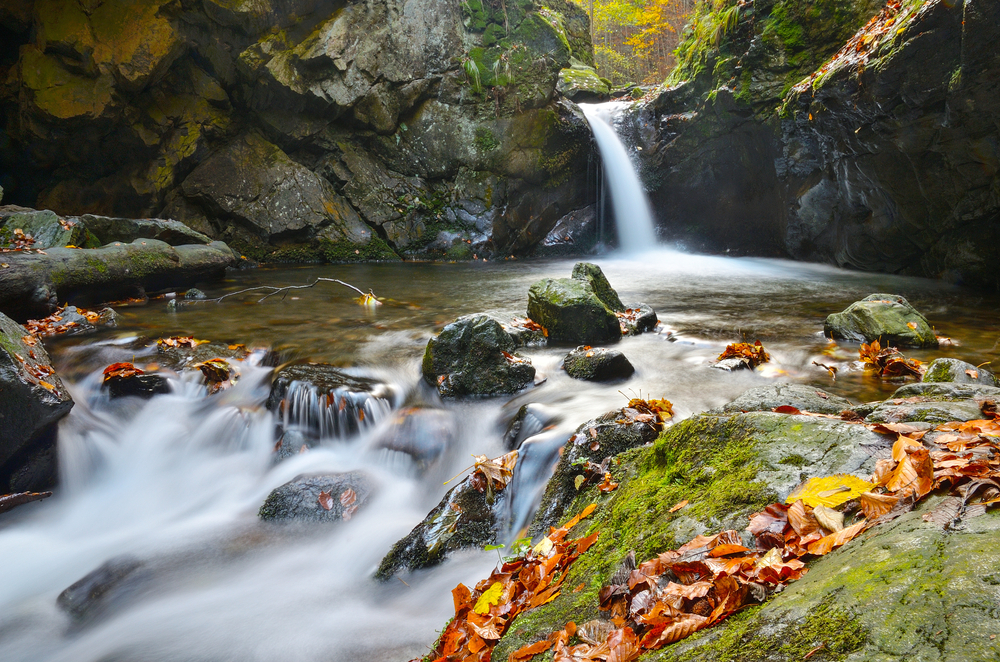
(959, 372)
(299, 499)
(32, 401)
(580, 83)
(45, 228)
(577, 310)
(324, 401)
(474, 356)
(126, 230)
(800, 396)
(637, 318)
(934, 402)
(888, 318)
(575, 233)
(137, 386)
(597, 364)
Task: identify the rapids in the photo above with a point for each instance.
(176, 482)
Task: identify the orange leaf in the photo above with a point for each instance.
(529, 651)
(325, 500)
(900, 447)
(827, 543)
(678, 506)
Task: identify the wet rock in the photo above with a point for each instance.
(959, 372)
(325, 401)
(581, 84)
(292, 442)
(194, 294)
(888, 318)
(800, 396)
(464, 519)
(597, 364)
(113, 582)
(593, 442)
(45, 227)
(299, 499)
(137, 386)
(32, 400)
(733, 364)
(421, 433)
(934, 402)
(638, 318)
(474, 356)
(575, 233)
(579, 309)
(529, 421)
(126, 230)
(184, 357)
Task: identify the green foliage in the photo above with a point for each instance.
(472, 74)
(485, 141)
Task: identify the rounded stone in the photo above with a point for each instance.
(597, 364)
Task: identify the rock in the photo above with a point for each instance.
(32, 401)
(292, 442)
(34, 283)
(138, 386)
(959, 372)
(592, 274)
(327, 402)
(112, 582)
(45, 228)
(474, 356)
(888, 318)
(185, 358)
(570, 311)
(194, 293)
(581, 84)
(733, 364)
(529, 421)
(597, 364)
(464, 519)
(638, 318)
(800, 396)
(299, 500)
(575, 233)
(421, 433)
(934, 402)
(725, 468)
(127, 230)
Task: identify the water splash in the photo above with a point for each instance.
(633, 218)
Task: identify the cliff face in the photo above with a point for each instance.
(785, 131)
(298, 128)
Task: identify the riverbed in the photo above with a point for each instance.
(177, 481)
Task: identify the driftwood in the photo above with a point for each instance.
(32, 284)
(367, 297)
(11, 501)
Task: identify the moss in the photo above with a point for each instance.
(794, 460)
(485, 140)
(376, 250)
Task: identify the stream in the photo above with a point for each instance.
(177, 481)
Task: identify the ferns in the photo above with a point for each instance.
(472, 73)
(726, 23)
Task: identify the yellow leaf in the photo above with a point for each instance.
(543, 547)
(578, 481)
(490, 597)
(829, 491)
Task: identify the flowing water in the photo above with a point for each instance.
(633, 218)
(176, 482)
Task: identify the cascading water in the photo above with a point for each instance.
(633, 218)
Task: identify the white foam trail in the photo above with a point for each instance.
(633, 218)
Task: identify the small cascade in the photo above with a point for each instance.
(633, 218)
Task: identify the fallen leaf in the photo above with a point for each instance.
(490, 597)
(875, 505)
(529, 651)
(830, 519)
(678, 506)
(496, 472)
(829, 491)
(326, 500)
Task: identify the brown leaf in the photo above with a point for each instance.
(786, 409)
(875, 505)
(496, 472)
(827, 543)
(326, 500)
(800, 516)
(527, 652)
(678, 506)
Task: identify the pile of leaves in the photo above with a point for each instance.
(682, 591)
(753, 354)
(484, 614)
(654, 413)
(121, 371)
(54, 324)
(18, 242)
(889, 362)
(219, 375)
(179, 341)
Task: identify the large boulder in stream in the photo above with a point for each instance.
(959, 372)
(580, 309)
(888, 318)
(475, 356)
(323, 498)
(32, 400)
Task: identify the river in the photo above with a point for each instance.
(176, 482)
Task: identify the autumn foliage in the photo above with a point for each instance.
(889, 362)
(753, 354)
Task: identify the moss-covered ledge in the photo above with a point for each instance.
(726, 467)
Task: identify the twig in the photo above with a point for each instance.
(10, 501)
(276, 290)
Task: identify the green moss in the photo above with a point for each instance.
(376, 250)
(485, 140)
(794, 460)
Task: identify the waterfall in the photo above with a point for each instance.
(636, 231)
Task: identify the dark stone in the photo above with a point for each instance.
(638, 318)
(597, 364)
(529, 421)
(194, 294)
(959, 372)
(292, 442)
(127, 230)
(138, 386)
(298, 499)
(883, 317)
(114, 581)
(29, 410)
(421, 433)
(803, 398)
(575, 233)
(474, 356)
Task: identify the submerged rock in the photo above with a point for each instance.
(530, 420)
(32, 400)
(138, 386)
(959, 372)
(474, 356)
(800, 396)
(421, 433)
(99, 591)
(300, 500)
(597, 364)
(888, 318)
(580, 309)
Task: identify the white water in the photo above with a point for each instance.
(633, 218)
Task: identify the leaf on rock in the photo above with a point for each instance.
(754, 354)
(490, 597)
(875, 505)
(527, 652)
(829, 491)
(830, 519)
(325, 500)
(678, 506)
(827, 543)
(121, 371)
(496, 472)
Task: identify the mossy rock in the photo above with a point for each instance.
(474, 356)
(597, 364)
(888, 318)
(800, 396)
(727, 467)
(959, 372)
(934, 402)
(47, 229)
(580, 309)
(591, 273)
(582, 84)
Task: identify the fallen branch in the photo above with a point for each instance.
(11, 501)
(366, 298)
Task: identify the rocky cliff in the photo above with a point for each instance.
(857, 132)
(299, 129)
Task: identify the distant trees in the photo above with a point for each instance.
(634, 39)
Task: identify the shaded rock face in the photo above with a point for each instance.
(32, 400)
(529, 420)
(48, 230)
(888, 318)
(597, 364)
(301, 129)
(474, 356)
(299, 500)
(885, 160)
